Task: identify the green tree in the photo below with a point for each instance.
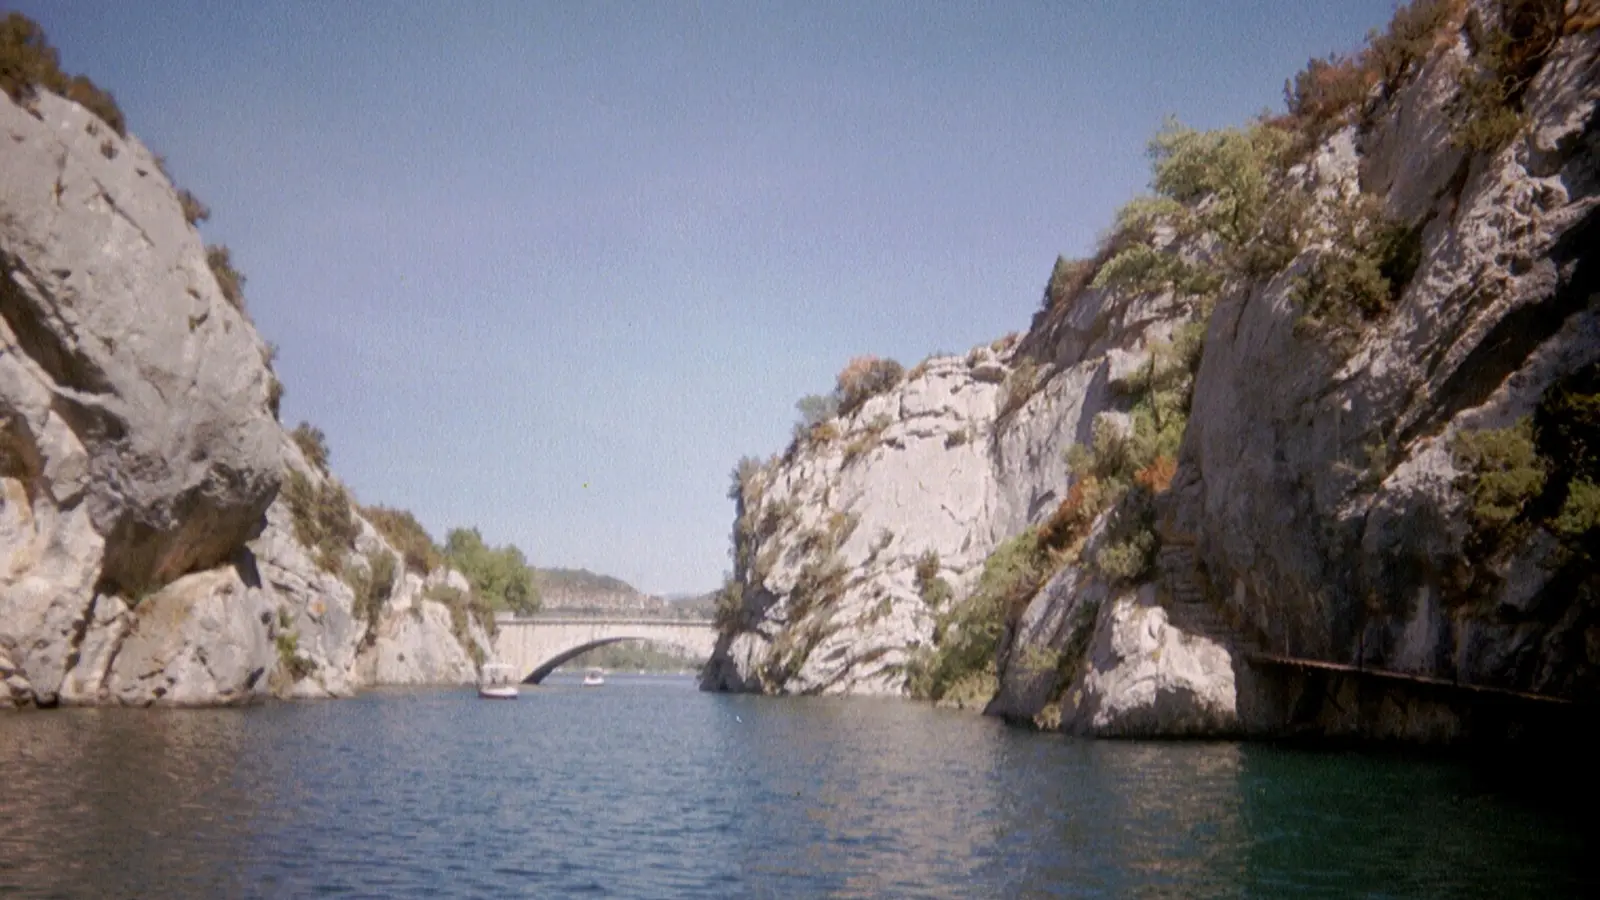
(499, 575)
(816, 409)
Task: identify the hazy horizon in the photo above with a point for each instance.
(550, 269)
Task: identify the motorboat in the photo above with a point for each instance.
(594, 678)
(497, 681)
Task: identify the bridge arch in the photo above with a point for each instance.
(538, 646)
(539, 674)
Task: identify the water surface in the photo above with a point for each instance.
(649, 788)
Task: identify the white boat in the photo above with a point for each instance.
(594, 678)
(497, 681)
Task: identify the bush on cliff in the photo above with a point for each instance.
(1501, 472)
(816, 408)
(1218, 187)
(1506, 54)
(373, 584)
(313, 445)
(294, 664)
(933, 589)
(1127, 464)
(323, 520)
(464, 608)
(194, 211)
(1542, 472)
(402, 530)
(1359, 275)
(1567, 430)
(1067, 279)
(499, 575)
(229, 281)
(966, 636)
(864, 378)
(729, 614)
(28, 62)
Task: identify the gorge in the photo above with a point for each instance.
(1328, 394)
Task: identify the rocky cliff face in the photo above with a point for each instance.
(146, 554)
(1324, 502)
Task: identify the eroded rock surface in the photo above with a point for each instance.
(146, 555)
(1317, 510)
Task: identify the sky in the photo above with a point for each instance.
(550, 269)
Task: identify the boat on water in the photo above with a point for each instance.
(594, 678)
(497, 681)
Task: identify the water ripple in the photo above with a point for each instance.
(648, 788)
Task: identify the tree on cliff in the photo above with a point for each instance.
(499, 575)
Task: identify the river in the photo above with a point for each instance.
(648, 788)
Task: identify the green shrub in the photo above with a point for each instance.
(931, 587)
(1128, 555)
(744, 477)
(28, 62)
(1500, 471)
(1567, 425)
(1361, 275)
(313, 445)
(296, 666)
(864, 378)
(464, 608)
(1507, 54)
(499, 575)
(729, 615)
(972, 690)
(373, 585)
(1226, 186)
(229, 281)
(967, 635)
(402, 530)
(1567, 436)
(816, 409)
(323, 520)
(1580, 514)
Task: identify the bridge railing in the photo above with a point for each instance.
(505, 618)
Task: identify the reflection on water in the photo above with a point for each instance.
(648, 788)
(119, 800)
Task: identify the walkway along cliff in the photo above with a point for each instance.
(1329, 395)
(162, 539)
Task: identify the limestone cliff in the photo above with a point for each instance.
(146, 552)
(1322, 402)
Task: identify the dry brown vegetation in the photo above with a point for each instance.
(28, 62)
(864, 378)
(402, 530)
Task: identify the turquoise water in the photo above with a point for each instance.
(649, 788)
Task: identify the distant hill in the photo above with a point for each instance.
(580, 591)
(697, 606)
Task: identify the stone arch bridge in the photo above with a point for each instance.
(539, 644)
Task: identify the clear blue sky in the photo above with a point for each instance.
(512, 249)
